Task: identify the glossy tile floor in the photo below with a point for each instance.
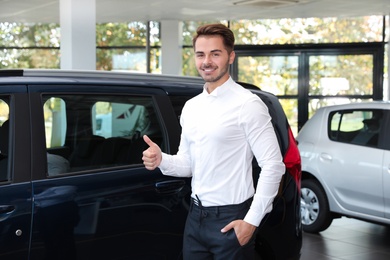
(348, 239)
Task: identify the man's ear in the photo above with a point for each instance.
(232, 56)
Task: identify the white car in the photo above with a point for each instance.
(345, 152)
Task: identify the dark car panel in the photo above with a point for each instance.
(106, 205)
(15, 185)
(15, 219)
(81, 217)
(93, 209)
(276, 226)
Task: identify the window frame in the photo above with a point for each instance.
(83, 114)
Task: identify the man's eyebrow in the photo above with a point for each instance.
(212, 51)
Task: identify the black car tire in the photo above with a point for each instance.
(315, 213)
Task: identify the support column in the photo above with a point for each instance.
(78, 34)
(171, 47)
(386, 85)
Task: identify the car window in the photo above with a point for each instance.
(114, 119)
(4, 139)
(55, 122)
(360, 127)
(88, 132)
(178, 104)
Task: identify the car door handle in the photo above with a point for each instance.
(5, 211)
(169, 187)
(325, 157)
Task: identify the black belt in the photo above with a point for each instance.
(196, 202)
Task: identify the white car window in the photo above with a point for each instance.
(359, 127)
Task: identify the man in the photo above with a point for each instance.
(222, 129)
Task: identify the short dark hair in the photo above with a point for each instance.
(216, 29)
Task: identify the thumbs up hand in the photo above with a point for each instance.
(152, 156)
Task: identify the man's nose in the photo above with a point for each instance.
(207, 60)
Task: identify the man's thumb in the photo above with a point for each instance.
(148, 141)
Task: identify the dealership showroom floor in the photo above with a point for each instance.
(348, 239)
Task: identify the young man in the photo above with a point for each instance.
(222, 129)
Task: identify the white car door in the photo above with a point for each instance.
(356, 181)
(350, 162)
(386, 182)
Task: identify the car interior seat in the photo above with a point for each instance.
(369, 133)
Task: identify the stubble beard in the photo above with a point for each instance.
(211, 79)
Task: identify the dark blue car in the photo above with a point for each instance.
(72, 182)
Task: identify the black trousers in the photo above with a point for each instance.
(203, 239)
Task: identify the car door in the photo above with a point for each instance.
(15, 184)
(386, 182)
(351, 167)
(106, 205)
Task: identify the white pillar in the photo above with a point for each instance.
(386, 85)
(171, 47)
(78, 34)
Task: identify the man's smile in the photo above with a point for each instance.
(208, 69)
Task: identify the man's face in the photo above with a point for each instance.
(212, 59)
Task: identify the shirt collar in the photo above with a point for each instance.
(220, 89)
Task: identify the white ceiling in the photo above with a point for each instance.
(195, 10)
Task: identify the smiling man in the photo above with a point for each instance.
(222, 129)
(213, 64)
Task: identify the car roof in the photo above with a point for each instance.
(88, 74)
(169, 83)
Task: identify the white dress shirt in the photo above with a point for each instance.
(221, 132)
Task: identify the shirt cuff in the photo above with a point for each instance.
(254, 218)
(164, 164)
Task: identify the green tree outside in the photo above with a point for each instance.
(122, 46)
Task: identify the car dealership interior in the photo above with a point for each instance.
(346, 238)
